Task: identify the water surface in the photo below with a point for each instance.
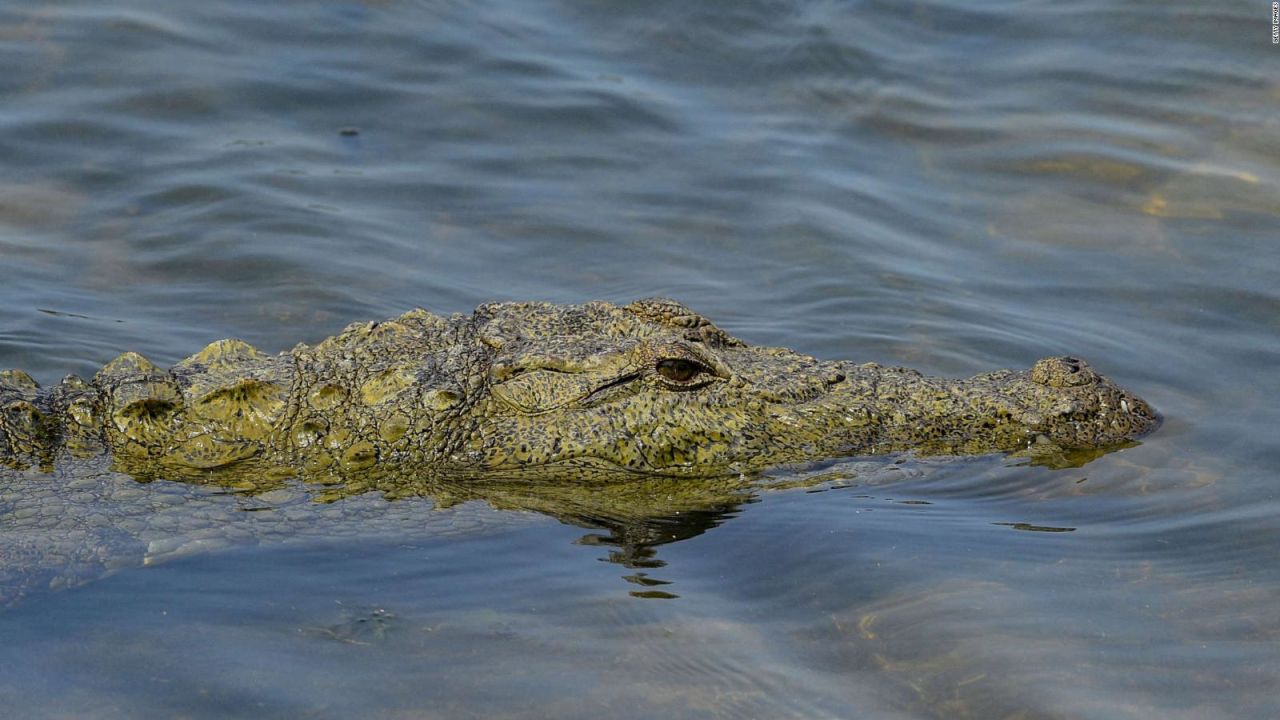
(955, 187)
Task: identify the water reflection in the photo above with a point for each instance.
(630, 516)
(66, 528)
(61, 530)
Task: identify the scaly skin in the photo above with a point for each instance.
(650, 388)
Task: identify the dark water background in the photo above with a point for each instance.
(951, 186)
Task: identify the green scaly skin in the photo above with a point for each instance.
(542, 390)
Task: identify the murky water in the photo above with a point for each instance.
(951, 186)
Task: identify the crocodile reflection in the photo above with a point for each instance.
(60, 532)
(637, 514)
(632, 517)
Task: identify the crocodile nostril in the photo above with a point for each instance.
(1065, 371)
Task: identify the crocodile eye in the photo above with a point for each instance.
(679, 370)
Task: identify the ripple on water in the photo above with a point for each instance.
(953, 187)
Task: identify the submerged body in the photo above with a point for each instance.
(650, 387)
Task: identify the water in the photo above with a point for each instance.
(953, 187)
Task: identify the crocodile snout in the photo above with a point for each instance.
(1089, 410)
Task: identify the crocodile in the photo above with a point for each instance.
(648, 388)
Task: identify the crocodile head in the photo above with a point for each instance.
(654, 387)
